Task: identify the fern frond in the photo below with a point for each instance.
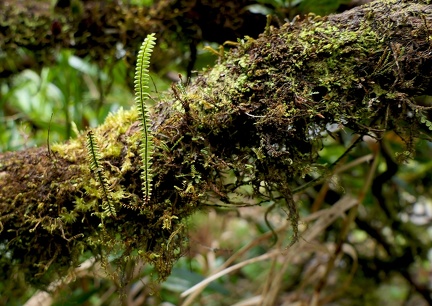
(424, 120)
(142, 94)
(96, 167)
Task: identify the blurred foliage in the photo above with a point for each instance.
(141, 2)
(61, 99)
(291, 8)
(321, 7)
(385, 248)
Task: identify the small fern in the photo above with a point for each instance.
(97, 169)
(142, 94)
(424, 120)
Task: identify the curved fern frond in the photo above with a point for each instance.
(96, 167)
(142, 94)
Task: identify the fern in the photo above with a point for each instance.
(424, 120)
(142, 94)
(97, 169)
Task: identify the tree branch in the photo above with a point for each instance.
(244, 130)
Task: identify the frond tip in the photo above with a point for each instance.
(142, 94)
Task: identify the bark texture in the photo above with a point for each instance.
(240, 134)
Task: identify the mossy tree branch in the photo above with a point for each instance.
(242, 132)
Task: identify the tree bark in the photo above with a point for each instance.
(241, 133)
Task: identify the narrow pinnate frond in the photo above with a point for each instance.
(96, 167)
(142, 94)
